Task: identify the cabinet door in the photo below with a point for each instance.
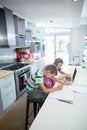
(21, 41)
(8, 97)
(32, 47)
(28, 35)
(21, 26)
(19, 30)
(8, 93)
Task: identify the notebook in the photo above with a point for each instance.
(72, 77)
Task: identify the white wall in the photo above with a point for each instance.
(77, 40)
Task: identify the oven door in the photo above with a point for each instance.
(22, 79)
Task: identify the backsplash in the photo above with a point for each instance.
(7, 55)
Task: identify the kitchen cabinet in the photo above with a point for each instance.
(32, 47)
(7, 92)
(35, 47)
(19, 30)
(7, 31)
(28, 37)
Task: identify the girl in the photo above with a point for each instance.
(49, 83)
(59, 62)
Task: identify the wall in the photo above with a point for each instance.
(77, 40)
(7, 55)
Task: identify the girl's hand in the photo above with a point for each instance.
(68, 75)
(63, 76)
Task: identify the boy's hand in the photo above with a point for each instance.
(67, 83)
(59, 87)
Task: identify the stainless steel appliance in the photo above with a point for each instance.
(19, 72)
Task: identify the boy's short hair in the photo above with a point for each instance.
(52, 68)
(58, 60)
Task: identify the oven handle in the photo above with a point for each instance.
(22, 73)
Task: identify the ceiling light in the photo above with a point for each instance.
(74, 0)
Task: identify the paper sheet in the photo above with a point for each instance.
(80, 87)
(80, 84)
(65, 94)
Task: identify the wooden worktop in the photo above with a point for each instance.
(4, 73)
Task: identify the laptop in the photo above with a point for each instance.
(71, 79)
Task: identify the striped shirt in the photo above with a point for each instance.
(35, 79)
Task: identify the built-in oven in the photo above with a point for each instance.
(20, 76)
(20, 71)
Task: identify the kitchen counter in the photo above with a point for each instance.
(32, 61)
(4, 73)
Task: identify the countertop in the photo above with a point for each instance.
(4, 73)
(32, 61)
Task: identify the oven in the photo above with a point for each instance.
(20, 71)
(20, 79)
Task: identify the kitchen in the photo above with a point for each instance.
(15, 56)
(13, 49)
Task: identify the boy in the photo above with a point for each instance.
(36, 80)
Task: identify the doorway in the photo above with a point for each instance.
(49, 42)
(62, 47)
(56, 46)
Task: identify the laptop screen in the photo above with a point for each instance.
(74, 74)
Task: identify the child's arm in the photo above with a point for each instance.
(65, 74)
(48, 90)
(60, 81)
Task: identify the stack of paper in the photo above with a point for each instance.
(66, 94)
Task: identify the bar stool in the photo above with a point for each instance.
(37, 97)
